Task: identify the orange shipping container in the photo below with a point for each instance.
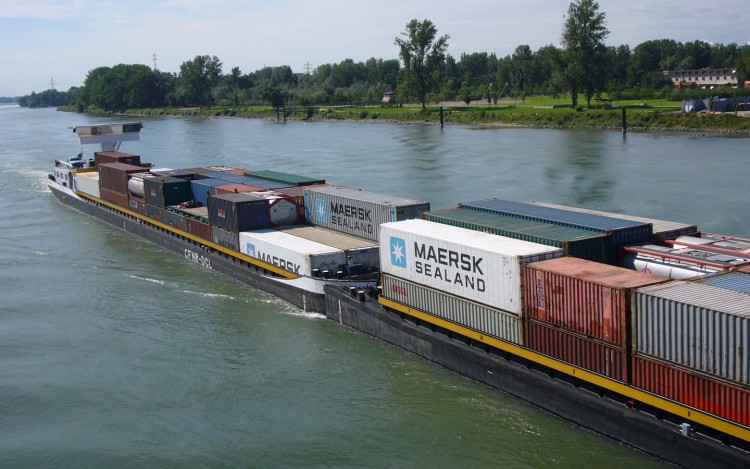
(693, 389)
(582, 296)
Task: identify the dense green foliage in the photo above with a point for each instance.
(428, 75)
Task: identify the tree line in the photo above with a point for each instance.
(423, 73)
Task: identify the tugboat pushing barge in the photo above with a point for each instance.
(531, 299)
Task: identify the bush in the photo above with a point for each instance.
(363, 114)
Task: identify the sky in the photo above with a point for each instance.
(46, 42)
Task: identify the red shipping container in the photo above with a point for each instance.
(114, 176)
(582, 296)
(198, 228)
(113, 197)
(599, 357)
(693, 389)
(137, 205)
(231, 188)
(101, 157)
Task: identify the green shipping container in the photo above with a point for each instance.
(286, 178)
(574, 242)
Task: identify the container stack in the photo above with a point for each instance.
(358, 212)
(689, 344)
(573, 241)
(621, 232)
(113, 182)
(466, 277)
(363, 255)
(163, 191)
(578, 311)
(286, 178)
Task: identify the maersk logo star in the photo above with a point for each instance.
(250, 249)
(398, 252)
(320, 210)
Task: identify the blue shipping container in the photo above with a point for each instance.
(202, 189)
(735, 281)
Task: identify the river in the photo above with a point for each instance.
(115, 353)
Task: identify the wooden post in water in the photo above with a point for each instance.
(441, 117)
(277, 114)
(624, 121)
(284, 108)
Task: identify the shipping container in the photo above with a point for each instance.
(735, 281)
(475, 316)
(215, 174)
(114, 176)
(102, 157)
(675, 263)
(175, 220)
(238, 212)
(121, 200)
(174, 173)
(136, 187)
(286, 178)
(575, 242)
(699, 326)
(252, 181)
(363, 255)
(584, 297)
(358, 212)
(693, 389)
(137, 205)
(234, 187)
(663, 229)
(300, 190)
(291, 253)
(201, 189)
(155, 213)
(224, 238)
(623, 232)
(88, 183)
(165, 191)
(478, 266)
(600, 357)
(198, 228)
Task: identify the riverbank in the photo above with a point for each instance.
(638, 117)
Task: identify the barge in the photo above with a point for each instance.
(613, 395)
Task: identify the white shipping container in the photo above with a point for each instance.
(478, 266)
(291, 253)
(490, 321)
(88, 183)
(358, 250)
(695, 325)
(358, 212)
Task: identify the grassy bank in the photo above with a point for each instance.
(533, 112)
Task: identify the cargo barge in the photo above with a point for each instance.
(614, 373)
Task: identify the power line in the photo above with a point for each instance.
(156, 69)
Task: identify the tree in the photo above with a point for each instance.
(199, 76)
(422, 56)
(583, 38)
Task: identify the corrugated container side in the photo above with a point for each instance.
(478, 317)
(175, 173)
(112, 197)
(358, 212)
(694, 325)
(623, 232)
(582, 296)
(238, 212)
(692, 389)
(214, 175)
(227, 239)
(198, 228)
(164, 191)
(257, 182)
(201, 189)
(287, 178)
(663, 229)
(299, 191)
(137, 205)
(575, 242)
(735, 281)
(88, 183)
(600, 357)
(359, 251)
(175, 220)
(291, 253)
(478, 266)
(155, 213)
(102, 157)
(114, 176)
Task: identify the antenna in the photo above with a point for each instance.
(156, 69)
